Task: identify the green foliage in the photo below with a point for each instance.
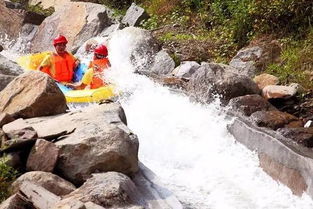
(117, 4)
(296, 63)
(151, 23)
(7, 176)
(39, 10)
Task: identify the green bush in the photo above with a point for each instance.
(296, 62)
(7, 176)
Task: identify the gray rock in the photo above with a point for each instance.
(5, 80)
(245, 59)
(163, 64)
(8, 67)
(185, 69)
(212, 79)
(134, 15)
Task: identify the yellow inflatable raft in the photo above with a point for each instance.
(32, 62)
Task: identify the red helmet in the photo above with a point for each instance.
(59, 40)
(101, 49)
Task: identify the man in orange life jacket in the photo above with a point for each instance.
(60, 65)
(93, 78)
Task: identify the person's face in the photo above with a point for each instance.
(98, 56)
(60, 48)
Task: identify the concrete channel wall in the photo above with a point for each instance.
(281, 158)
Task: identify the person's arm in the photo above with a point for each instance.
(45, 64)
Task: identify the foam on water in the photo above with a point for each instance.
(187, 145)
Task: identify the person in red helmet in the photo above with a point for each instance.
(93, 78)
(60, 65)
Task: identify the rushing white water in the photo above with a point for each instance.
(188, 147)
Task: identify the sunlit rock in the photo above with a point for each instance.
(276, 91)
(265, 79)
(185, 69)
(99, 142)
(49, 181)
(163, 64)
(32, 94)
(111, 189)
(85, 21)
(212, 79)
(134, 15)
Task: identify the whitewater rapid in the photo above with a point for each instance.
(188, 147)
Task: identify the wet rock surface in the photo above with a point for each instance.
(301, 135)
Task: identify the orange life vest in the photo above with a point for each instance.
(98, 66)
(62, 67)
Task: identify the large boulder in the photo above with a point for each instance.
(110, 190)
(213, 79)
(49, 181)
(32, 94)
(85, 20)
(100, 141)
(10, 21)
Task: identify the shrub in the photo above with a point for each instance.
(7, 176)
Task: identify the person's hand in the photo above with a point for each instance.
(70, 85)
